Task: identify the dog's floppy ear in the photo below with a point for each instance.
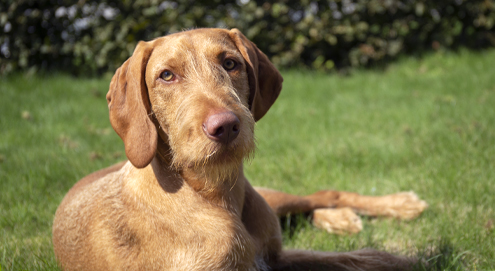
(129, 107)
(265, 81)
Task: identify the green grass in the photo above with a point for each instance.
(424, 125)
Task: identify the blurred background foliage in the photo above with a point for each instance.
(92, 37)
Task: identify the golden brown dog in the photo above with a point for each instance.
(185, 106)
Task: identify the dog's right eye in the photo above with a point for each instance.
(229, 64)
(167, 76)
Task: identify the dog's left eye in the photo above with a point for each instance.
(229, 64)
(167, 76)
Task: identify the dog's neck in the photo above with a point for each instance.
(226, 190)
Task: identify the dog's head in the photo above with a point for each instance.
(200, 91)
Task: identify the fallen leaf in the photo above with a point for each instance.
(95, 156)
(489, 225)
(26, 115)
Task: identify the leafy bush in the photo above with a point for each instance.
(90, 37)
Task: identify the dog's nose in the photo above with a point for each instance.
(222, 127)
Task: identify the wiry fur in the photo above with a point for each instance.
(182, 202)
(188, 148)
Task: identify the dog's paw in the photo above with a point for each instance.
(403, 205)
(339, 221)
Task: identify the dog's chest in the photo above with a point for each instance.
(188, 235)
(214, 244)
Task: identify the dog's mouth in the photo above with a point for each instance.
(222, 139)
(205, 152)
(229, 137)
(227, 153)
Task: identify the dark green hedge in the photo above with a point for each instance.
(91, 37)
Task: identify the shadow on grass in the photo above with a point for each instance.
(444, 257)
(441, 256)
(291, 224)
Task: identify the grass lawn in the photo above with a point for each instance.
(424, 125)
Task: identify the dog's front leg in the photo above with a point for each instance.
(404, 205)
(334, 210)
(333, 220)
